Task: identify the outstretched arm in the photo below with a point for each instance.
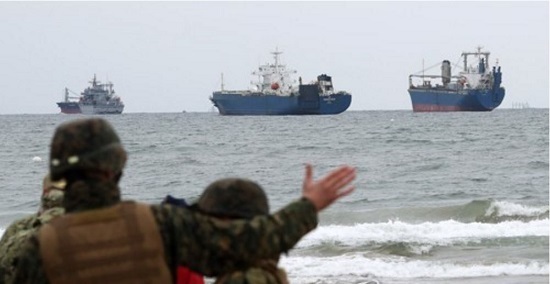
(213, 246)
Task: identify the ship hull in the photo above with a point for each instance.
(101, 109)
(429, 100)
(69, 107)
(235, 103)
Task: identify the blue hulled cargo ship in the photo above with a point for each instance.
(475, 88)
(275, 93)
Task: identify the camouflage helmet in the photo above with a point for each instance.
(85, 144)
(233, 198)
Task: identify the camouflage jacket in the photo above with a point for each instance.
(205, 244)
(264, 272)
(18, 233)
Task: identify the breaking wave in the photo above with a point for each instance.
(358, 265)
(441, 233)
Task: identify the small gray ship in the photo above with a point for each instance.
(96, 99)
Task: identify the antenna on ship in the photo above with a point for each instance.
(479, 47)
(93, 82)
(222, 82)
(276, 53)
(422, 71)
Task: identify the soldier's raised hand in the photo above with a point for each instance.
(332, 186)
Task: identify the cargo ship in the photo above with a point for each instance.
(276, 93)
(96, 99)
(474, 88)
(69, 105)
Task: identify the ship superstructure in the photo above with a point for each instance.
(100, 99)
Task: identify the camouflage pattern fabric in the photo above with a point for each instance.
(205, 244)
(52, 199)
(266, 272)
(12, 243)
(18, 233)
(241, 198)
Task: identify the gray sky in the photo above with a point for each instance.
(168, 56)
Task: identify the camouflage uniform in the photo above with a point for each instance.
(18, 233)
(204, 244)
(207, 245)
(239, 198)
(261, 273)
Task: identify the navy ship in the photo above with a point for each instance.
(275, 93)
(97, 99)
(474, 88)
(100, 99)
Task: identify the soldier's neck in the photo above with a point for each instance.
(83, 195)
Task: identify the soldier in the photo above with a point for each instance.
(236, 198)
(183, 275)
(102, 239)
(20, 230)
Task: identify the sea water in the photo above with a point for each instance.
(457, 197)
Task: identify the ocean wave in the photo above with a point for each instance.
(404, 249)
(429, 167)
(476, 211)
(444, 233)
(501, 211)
(492, 211)
(356, 266)
(538, 165)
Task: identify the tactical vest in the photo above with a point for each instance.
(120, 244)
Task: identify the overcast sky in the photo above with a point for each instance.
(169, 56)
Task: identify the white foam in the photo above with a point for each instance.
(2, 232)
(356, 264)
(36, 159)
(505, 208)
(441, 233)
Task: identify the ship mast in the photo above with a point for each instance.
(423, 81)
(478, 53)
(94, 81)
(276, 54)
